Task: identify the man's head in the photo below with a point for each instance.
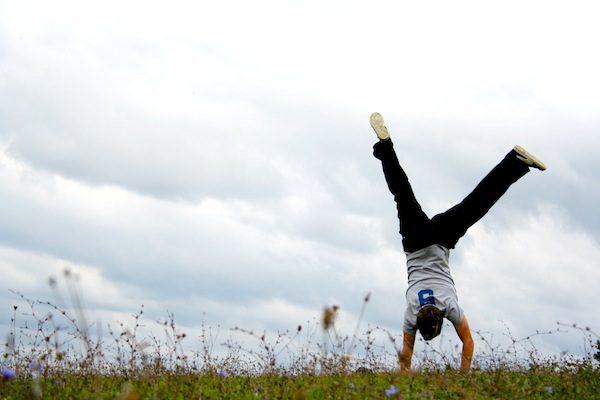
(429, 321)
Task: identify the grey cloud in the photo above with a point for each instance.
(196, 165)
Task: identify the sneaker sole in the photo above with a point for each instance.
(529, 159)
(378, 126)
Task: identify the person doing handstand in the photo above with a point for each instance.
(431, 294)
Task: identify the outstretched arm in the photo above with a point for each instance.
(408, 345)
(464, 333)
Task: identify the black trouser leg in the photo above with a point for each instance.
(415, 226)
(451, 225)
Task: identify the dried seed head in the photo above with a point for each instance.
(329, 314)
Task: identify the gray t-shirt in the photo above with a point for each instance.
(430, 282)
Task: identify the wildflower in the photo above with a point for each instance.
(351, 385)
(549, 389)
(8, 373)
(329, 314)
(34, 366)
(393, 390)
(223, 374)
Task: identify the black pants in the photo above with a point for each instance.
(418, 230)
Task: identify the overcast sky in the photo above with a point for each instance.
(214, 159)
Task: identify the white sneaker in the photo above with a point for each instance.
(376, 121)
(529, 159)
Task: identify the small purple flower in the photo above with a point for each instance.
(351, 385)
(393, 390)
(8, 373)
(34, 366)
(223, 374)
(549, 389)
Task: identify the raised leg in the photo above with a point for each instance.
(451, 225)
(414, 223)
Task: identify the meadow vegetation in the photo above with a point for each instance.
(51, 353)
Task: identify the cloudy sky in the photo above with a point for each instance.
(214, 159)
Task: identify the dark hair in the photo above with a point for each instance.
(429, 321)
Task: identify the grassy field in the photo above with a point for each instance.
(50, 354)
(544, 382)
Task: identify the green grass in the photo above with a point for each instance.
(582, 382)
